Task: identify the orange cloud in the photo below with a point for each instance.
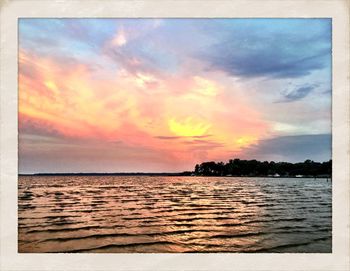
(70, 101)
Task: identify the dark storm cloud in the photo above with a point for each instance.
(288, 49)
(297, 93)
(292, 148)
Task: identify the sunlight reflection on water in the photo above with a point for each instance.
(173, 214)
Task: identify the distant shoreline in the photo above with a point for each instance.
(233, 168)
(164, 175)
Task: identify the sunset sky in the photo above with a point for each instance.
(160, 95)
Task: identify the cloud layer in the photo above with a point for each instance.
(292, 148)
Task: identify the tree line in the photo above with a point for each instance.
(237, 167)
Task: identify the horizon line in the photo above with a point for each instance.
(159, 173)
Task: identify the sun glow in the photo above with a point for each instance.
(188, 127)
(51, 86)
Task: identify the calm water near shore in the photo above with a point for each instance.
(146, 214)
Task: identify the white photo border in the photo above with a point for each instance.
(12, 10)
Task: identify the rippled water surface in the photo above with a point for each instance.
(173, 214)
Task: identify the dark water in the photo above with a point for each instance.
(173, 214)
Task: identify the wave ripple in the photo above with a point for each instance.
(121, 214)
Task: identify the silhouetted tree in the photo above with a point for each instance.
(237, 167)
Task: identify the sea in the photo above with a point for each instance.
(171, 214)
